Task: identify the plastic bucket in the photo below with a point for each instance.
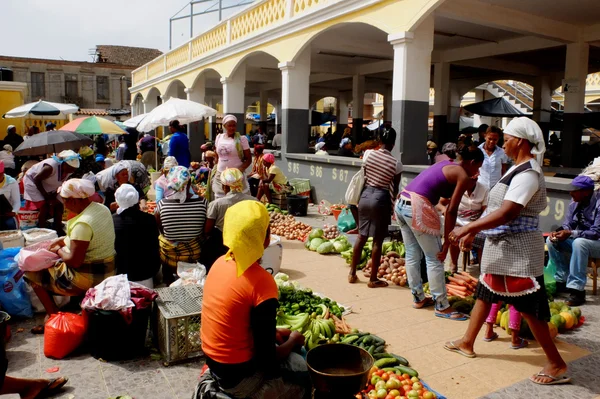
(336, 213)
(28, 219)
(297, 205)
(271, 260)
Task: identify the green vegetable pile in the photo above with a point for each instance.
(294, 299)
(316, 241)
(387, 247)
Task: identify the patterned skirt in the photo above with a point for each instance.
(61, 279)
(171, 253)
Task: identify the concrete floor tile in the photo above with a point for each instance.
(457, 383)
(84, 385)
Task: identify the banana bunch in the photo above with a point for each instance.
(320, 331)
(295, 323)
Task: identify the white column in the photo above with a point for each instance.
(387, 104)
(295, 85)
(358, 105)
(410, 107)
(441, 86)
(542, 103)
(263, 102)
(234, 96)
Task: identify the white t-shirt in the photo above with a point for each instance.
(228, 155)
(524, 185)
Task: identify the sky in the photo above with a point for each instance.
(69, 29)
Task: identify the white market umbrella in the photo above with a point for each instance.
(184, 111)
(41, 108)
(135, 121)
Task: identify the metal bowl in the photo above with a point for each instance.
(339, 369)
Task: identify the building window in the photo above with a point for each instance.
(71, 91)
(38, 85)
(102, 90)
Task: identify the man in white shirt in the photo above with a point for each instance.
(277, 141)
(495, 162)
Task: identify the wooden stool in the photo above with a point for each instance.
(466, 259)
(593, 263)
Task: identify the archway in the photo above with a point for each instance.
(137, 105)
(175, 89)
(152, 100)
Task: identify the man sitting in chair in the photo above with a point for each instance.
(579, 238)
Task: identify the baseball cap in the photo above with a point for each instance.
(582, 183)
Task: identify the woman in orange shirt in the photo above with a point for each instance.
(246, 354)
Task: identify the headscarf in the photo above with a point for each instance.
(100, 158)
(209, 154)
(228, 118)
(86, 151)
(244, 232)
(169, 163)
(177, 181)
(269, 158)
(431, 145)
(8, 129)
(119, 167)
(344, 141)
(126, 197)
(77, 188)
(8, 147)
(68, 156)
(232, 177)
(449, 147)
(319, 146)
(525, 128)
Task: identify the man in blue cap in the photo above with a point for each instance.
(578, 237)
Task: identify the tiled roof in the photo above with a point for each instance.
(124, 55)
(92, 111)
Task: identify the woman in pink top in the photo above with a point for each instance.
(233, 151)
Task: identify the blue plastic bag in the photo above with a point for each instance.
(346, 221)
(14, 297)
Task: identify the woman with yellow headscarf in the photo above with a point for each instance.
(239, 308)
(232, 184)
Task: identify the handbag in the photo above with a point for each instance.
(355, 188)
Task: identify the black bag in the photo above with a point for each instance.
(208, 388)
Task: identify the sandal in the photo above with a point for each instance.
(462, 316)
(425, 303)
(451, 346)
(522, 344)
(52, 388)
(38, 330)
(555, 380)
(352, 278)
(377, 284)
(492, 338)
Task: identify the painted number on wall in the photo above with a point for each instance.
(293, 167)
(316, 171)
(341, 175)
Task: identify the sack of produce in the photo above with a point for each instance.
(12, 239)
(35, 235)
(14, 297)
(63, 333)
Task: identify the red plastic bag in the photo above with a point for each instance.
(63, 333)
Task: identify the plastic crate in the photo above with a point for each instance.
(177, 318)
(301, 186)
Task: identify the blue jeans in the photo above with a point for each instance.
(573, 271)
(417, 243)
(8, 224)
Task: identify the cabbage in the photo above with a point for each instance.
(282, 277)
(315, 242)
(325, 248)
(316, 233)
(339, 246)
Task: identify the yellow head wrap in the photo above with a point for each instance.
(244, 232)
(232, 177)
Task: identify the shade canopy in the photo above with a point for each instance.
(41, 108)
(52, 142)
(495, 107)
(135, 121)
(93, 125)
(185, 111)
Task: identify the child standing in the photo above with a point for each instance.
(514, 323)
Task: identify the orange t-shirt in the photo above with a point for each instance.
(226, 305)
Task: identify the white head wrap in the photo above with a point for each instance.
(320, 145)
(9, 128)
(8, 147)
(169, 163)
(77, 188)
(119, 167)
(126, 197)
(228, 118)
(525, 128)
(70, 157)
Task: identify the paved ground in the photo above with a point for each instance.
(497, 372)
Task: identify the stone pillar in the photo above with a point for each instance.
(453, 124)
(358, 104)
(196, 129)
(145, 105)
(542, 104)
(576, 69)
(387, 103)
(410, 93)
(441, 86)
(234, 96)
(295, 85)
(342, 112)
(264, 102)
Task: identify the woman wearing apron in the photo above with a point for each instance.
(512, 264)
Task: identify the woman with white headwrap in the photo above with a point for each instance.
(233, 151)
(124, 172)
(512, 264)
(41, 183)
(160, 185)
(6, 156)
(87, 253)
(135, 230)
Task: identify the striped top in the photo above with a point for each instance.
(182, 222)
(380, 168)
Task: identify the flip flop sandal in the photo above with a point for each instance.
(451, 346)
(425, 303)
(353, 278)
(377, 284)
(448, 316)
(52, 388)
(492, 338)
(522, 344)
(555, 380)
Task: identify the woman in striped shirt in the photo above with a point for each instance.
(180, 217)
(382, 178)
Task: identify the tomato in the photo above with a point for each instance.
(389, 396)
(381, 393)
(374, 379)
(370, 387)
(394, 393)
(415, 379)
(380, 372)
(385, 376)
(380, 385)
(406, 376)
(407, 388)
(420, 392)
(413, 394)
(392, 383)
(417, 385)
(428, 395)
(404, 383)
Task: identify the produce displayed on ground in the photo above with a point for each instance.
(317, 241)
(287, 226)
(330, 232)
(461, 284)
(393, 382)
(391, 268)
(387, 248)
(276, 209)
(294, 299)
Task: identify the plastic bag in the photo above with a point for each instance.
(114, 293)
(63, 333)
(14, 297)
(37, 257)
(190, 273)
(346, 221)
(37, 235)
(324, 208)
(549, 281)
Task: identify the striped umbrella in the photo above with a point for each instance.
(93, 125)
(41, 108)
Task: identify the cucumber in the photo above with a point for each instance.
(377, 340)
(407, 370)
(390, 369)
(378, 356)
(371, 349)
(386, 362)
(360, 340)
(349, 339)
(381, 349)
(368, 340)
(403, 361)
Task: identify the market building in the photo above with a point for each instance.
(292, 53)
